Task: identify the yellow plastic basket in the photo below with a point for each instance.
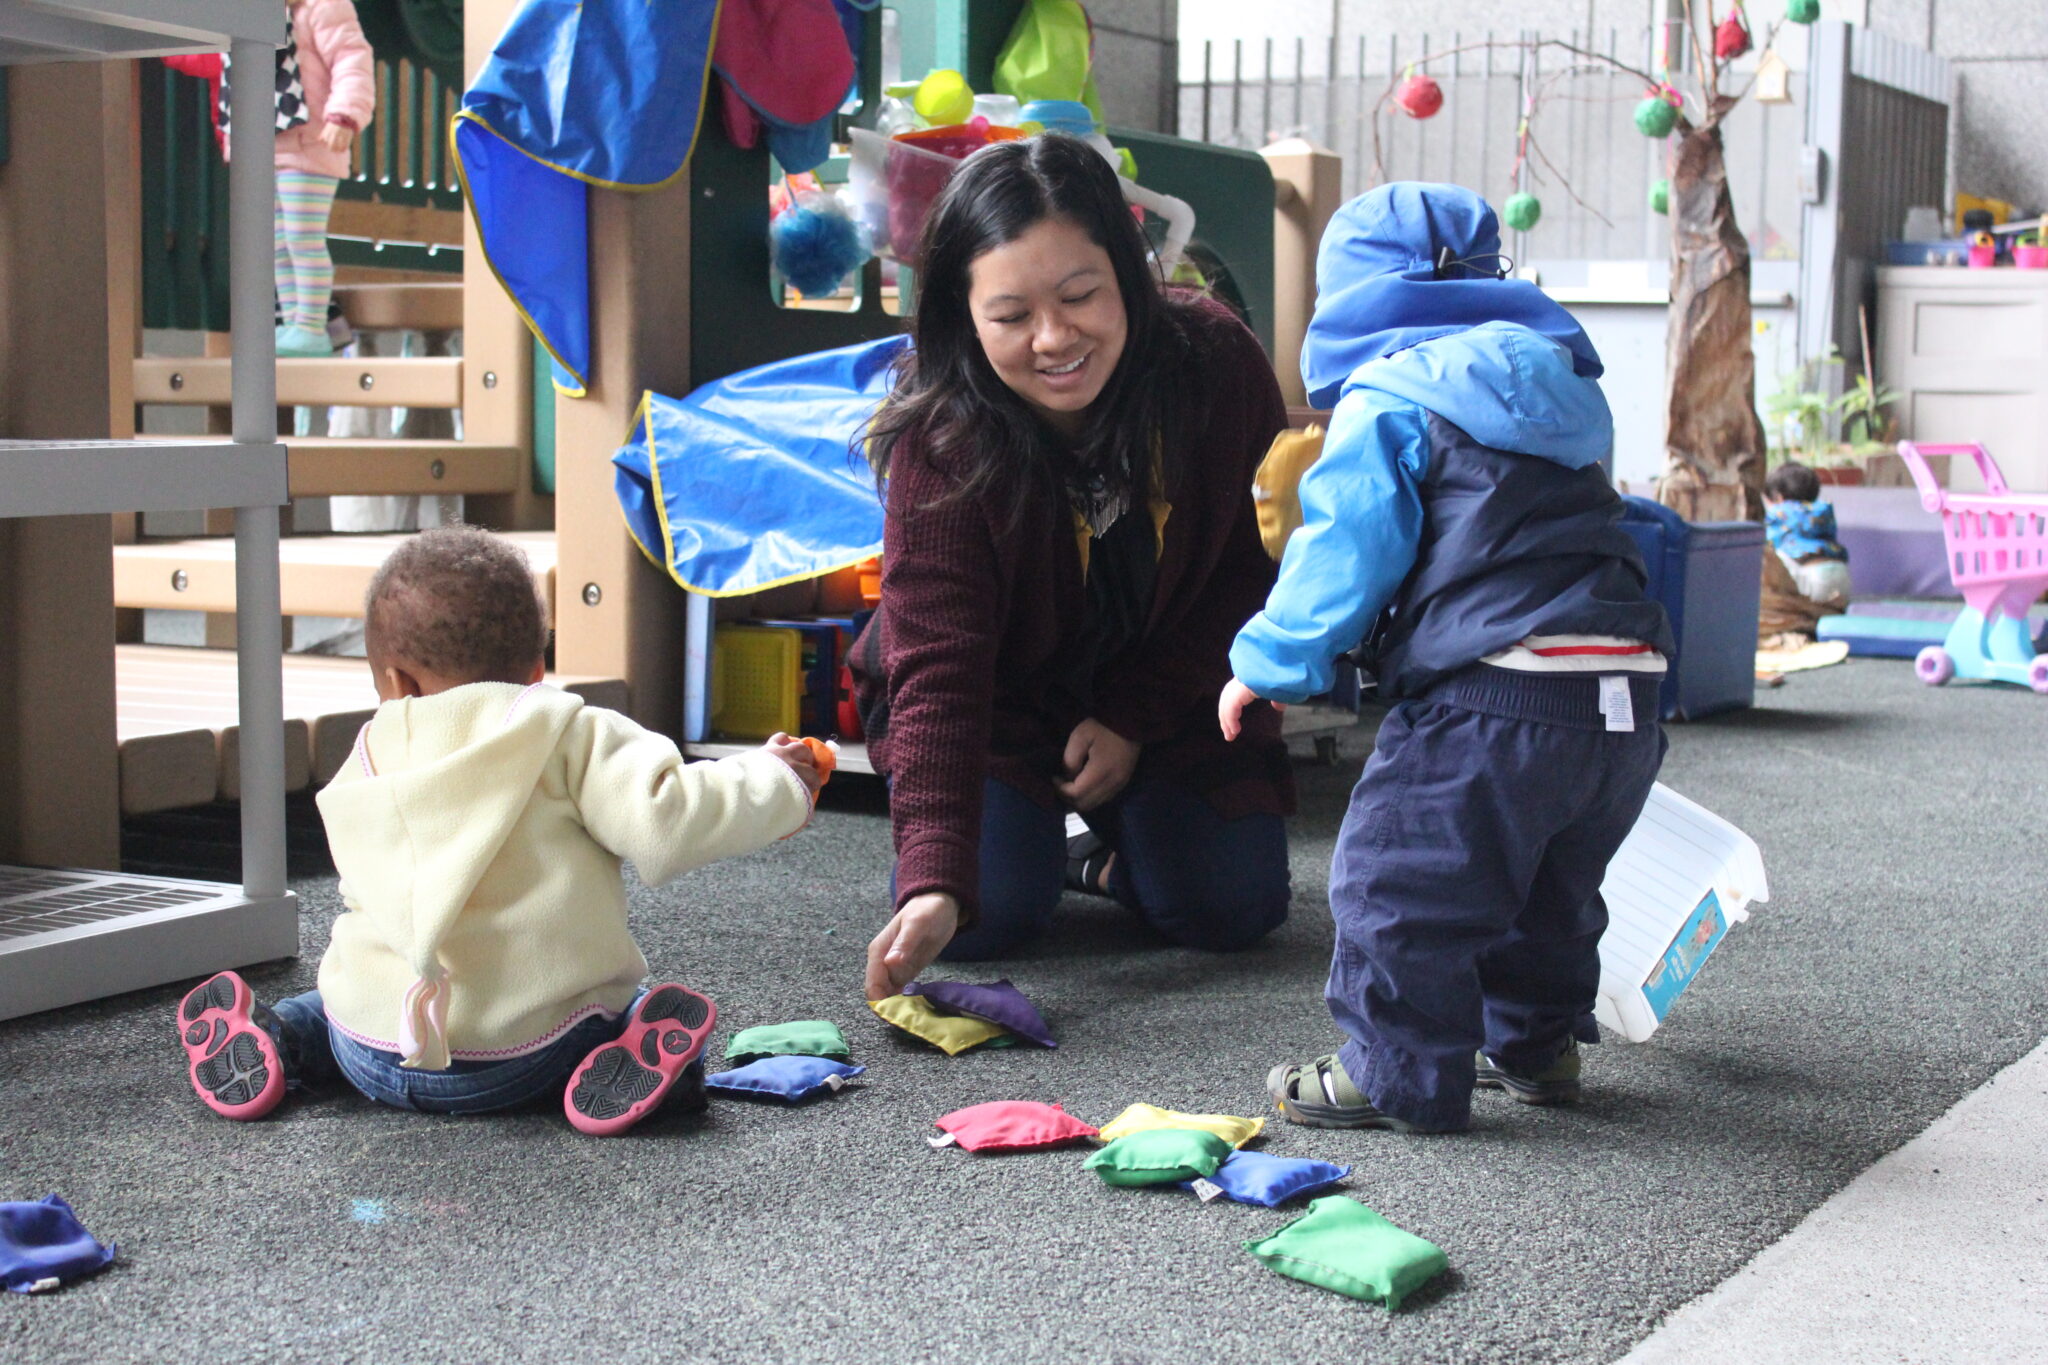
(755, 681)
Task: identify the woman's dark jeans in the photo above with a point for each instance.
(1199, 880)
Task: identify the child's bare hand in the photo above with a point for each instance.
(336, 137)
(1230, 707)
(797, 755)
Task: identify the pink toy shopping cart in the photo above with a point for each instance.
(1997, 543)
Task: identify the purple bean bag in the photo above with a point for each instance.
(996, 1001)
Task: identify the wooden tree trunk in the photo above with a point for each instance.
(1713, 439)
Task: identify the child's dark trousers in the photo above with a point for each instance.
(1466, 884)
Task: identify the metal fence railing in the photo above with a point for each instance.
(1257, 91)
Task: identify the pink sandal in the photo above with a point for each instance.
(233, 1063)
(624, 1081)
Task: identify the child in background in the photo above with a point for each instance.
(326, 93)
(1459, 521)
(1802, 530)
(478, 827)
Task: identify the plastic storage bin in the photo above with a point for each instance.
(756, 677)
(1679, 880)
(1709, 576)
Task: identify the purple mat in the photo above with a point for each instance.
(1894, 543)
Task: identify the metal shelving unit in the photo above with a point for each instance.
(68, 935)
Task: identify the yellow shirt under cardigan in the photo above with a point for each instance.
(479, 834)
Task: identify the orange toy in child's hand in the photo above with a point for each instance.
(824, 754)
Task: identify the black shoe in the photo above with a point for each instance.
(1087, 859)
(1557, 1083)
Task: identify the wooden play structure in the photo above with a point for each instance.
(97, 724)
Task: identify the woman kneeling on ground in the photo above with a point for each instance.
(1070, 546)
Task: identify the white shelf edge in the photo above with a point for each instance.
(68, 478)
(85, 30)
(68, 965)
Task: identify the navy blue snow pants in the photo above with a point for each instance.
(1466, 884)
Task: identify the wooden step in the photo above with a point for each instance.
(179, 733)
(380, 222)
(426, 307)
(317, 575)
(373, 382)
(329, 466)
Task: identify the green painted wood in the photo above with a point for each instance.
(184, 205)
(1231, 192)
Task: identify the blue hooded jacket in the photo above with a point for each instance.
(1430, 370)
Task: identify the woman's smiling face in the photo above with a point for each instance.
(1050, 318)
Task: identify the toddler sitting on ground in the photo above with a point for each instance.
(1802, 530)
(478, 826)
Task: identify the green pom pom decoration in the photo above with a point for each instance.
(1655, 117)
(1660, 196)
(1521, 212)
(1802, 11)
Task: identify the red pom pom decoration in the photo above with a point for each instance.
(1419, 96)
(1731, 39)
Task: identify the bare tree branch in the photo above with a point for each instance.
(1544, 157)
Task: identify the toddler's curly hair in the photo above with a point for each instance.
(459, 602)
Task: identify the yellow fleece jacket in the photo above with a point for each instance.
(479, 834)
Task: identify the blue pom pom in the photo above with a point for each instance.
(815, 247)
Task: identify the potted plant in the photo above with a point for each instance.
(1801, 414)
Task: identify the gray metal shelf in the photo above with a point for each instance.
(70, 478)
(94, 30)
(67, 935)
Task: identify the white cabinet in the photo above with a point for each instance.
(1968, 352)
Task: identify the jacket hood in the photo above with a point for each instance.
(1380, 290)
(431, 792)
(1506, 386)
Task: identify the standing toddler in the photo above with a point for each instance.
(1460, 523)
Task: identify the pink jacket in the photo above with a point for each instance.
(337, 68)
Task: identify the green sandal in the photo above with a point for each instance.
(1319, 1094)
(1557, 1083)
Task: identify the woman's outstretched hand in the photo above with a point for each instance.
(1230, 707)
(909, 942)
(1099, 764)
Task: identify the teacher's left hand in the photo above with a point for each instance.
(1100, 762)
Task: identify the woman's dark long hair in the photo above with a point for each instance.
(950, 400)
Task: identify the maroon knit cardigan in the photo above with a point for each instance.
(975, 617)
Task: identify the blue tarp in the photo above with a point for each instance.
(576, 93)
(754, 480)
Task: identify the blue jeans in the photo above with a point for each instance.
(1466, 890)
(1199, 880)
(316, 1053)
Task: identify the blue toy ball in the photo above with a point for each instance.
(816, 245)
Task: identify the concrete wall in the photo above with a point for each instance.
(2000, 54)
(1136, 46)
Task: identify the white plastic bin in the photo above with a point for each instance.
(1680, 879)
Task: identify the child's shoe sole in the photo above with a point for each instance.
(233, 1063)
(624, 1081)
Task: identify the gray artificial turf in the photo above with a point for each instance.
(1896, 967)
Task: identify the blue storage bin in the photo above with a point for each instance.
(1709, 576)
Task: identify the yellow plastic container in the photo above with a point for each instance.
(755, 681)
